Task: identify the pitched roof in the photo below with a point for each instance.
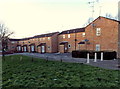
(14, 39)
(102, 17)
(73, 31)
(36, 36)
(45, 35)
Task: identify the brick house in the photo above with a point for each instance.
(23, 45)
(69, 40)
(102, 35)
(12, 45)
(47, 43)
(39, 43)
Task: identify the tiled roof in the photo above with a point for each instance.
(37, 36)
(73, 31)
(102, 17)
(45, 35)
(14, 39)
(110, 19)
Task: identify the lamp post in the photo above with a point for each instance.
(75, 40)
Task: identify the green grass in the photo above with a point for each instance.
(40, 73)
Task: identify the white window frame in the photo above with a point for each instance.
(97, 47)
(68, 35)
(98, 31)
(83, 34)
(48, 38)
(63, 36)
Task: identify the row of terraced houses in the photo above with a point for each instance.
(102, 34)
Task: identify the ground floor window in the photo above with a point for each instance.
(97, 47)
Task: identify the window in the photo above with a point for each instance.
(83, 34)
(98, 31)
(63, 36)
(43, 38)
(19, 48)
(13, 42)
(97, 47)
(48, 38)
(68, 35)
(69, 46)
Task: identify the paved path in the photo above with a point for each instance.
(66, 57)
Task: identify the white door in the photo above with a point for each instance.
(19, 48)
(25, 49)
(43, 49)
(32, 48)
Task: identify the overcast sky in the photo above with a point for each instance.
(33, 17)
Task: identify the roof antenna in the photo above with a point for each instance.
(92, 3)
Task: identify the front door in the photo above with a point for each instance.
(66, 48)
(32, 48)
(19, 48)
(43, 49)
(25, 49)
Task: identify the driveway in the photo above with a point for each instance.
(67, 57)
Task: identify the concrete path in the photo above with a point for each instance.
(66, 57)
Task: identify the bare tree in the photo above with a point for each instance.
(4, 36)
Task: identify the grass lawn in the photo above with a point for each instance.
(39, 73)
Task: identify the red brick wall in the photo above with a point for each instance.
(54, 43)
(71, 41)
(119, 40)
(12, 46)
(109, 35)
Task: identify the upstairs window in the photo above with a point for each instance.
(68, 35)
(48, 38)
(98, 31)
(83, 34)
(63, 36)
